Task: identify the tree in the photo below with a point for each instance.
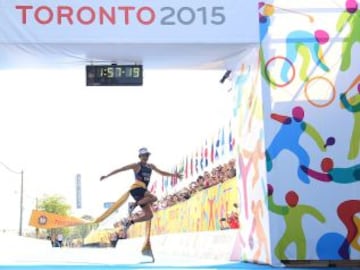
(55, 204)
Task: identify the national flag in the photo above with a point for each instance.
(222, 142)
(231, 139)
(197, 162)
(180, 169)
(217, 146)
(166, 183)
(153, 187)
(212, 152)
(202, 159)
(175, 177)
(172, 180)
(192, 165)
(206, 154)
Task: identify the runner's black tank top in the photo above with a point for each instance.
(144, 174)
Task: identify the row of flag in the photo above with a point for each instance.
(209, 154)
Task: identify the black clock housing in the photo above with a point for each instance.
(114, 75)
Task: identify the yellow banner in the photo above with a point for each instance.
(202, 212)
(98, 237)
(45, 220)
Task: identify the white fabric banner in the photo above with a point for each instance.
(129, 21)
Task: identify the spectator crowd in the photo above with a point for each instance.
(216, 176)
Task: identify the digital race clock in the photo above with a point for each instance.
(114, 75)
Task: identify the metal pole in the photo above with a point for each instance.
(37, 229)
(21, 203)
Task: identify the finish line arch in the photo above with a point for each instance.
(207, 35)
(155, 34)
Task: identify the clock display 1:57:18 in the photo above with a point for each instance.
(118, 72)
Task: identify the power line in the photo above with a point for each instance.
(9, 169)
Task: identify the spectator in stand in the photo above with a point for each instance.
(218, 171)
(176, 198)
(118, 233)
(231, 171)
(180, 197)
(213, 171)
(59, 240)
(156, 206)
(117, 225)
(170, 201)
(224, 169)
(207, 179)
(223, 224)
(193, 187)
(113, 238)
(213, 181)
(231, 221)
(122, 234)
(200, 180)
(164, 203)
(53, 240)
(233, 218)
(185, 193)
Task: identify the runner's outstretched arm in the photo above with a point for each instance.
(163, 173)
(125, 168)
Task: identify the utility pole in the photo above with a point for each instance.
(37, 207)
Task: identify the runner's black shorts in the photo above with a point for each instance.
(138, 193)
